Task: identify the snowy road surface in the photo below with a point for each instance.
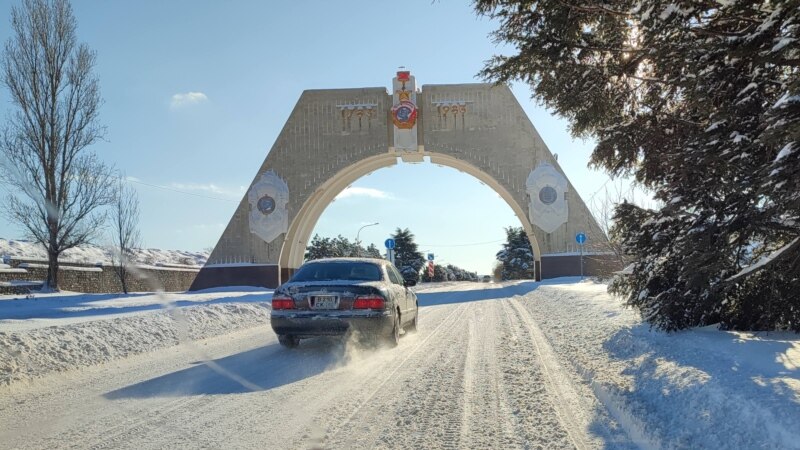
(552, 365)
(478, 374)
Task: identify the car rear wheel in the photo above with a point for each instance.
(288, 341)
(394, 338)
(412, 327)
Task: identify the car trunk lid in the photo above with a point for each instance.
(326, 296)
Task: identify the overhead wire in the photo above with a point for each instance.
(167, 188)
(462, 245)
(157, 186)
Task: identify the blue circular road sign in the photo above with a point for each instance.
(430, 256)
(580, 238)
(389, 243)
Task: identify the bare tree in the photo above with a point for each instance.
(59, 188)
(603, 205)
(126, 236)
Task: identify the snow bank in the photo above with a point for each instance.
(701, 388)
(32, 353)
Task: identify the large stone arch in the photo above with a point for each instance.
(300, 230)
(334, 137)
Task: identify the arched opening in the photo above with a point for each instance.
(303, 225)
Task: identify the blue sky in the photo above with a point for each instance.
(197, 91)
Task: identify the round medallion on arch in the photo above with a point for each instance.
(266, 205)
(548, 195)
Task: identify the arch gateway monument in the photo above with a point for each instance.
(333, 137)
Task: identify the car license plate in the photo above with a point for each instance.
(324, 302)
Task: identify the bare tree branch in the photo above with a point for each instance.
(60, 187)
(125, 231)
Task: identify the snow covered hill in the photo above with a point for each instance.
(94, 254)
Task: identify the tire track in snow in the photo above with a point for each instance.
(487, 416)
(123, 434)
(245, 417)
(452, 318)
(470, 367)
(135, 422)
(533, 414)
(567, 403)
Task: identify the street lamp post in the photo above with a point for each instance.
(358, 243)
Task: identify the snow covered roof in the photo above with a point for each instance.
(348, 259)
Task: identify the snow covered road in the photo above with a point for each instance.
(478, 374)
(551, 365)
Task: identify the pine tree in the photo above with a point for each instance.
(344, 248)
(516, 256)
(373, 252)
(440, 273)
(319, 248)
(700, 103)
(338, 247)
(407, 256)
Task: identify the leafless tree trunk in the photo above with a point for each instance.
(58, 188)
(125, 220)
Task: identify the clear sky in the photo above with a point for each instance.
(196, 93)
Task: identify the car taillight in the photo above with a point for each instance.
(282, 302)
(369, 302)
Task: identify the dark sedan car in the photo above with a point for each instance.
(335, 296)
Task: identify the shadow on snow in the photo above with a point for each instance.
(720, 372)
(263, 368)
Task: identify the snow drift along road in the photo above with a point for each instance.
(66, 331)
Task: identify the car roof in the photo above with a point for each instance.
(345, 260)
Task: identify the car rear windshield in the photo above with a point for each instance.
(350, 271)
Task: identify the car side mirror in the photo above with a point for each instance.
(409, 282)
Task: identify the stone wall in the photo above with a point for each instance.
(568, 265)
(90, 278)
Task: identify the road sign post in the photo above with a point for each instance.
(580, 238)
(390, 244)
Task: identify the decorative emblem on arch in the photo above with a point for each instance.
(266, 205)
(268, 199)
(546, 188)
(404, 115)
(404, 112)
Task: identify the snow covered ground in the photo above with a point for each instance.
(548, 365)
(65, 331)
(93, 254)
(701, 388)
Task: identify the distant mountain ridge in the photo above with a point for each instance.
(22, 249)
